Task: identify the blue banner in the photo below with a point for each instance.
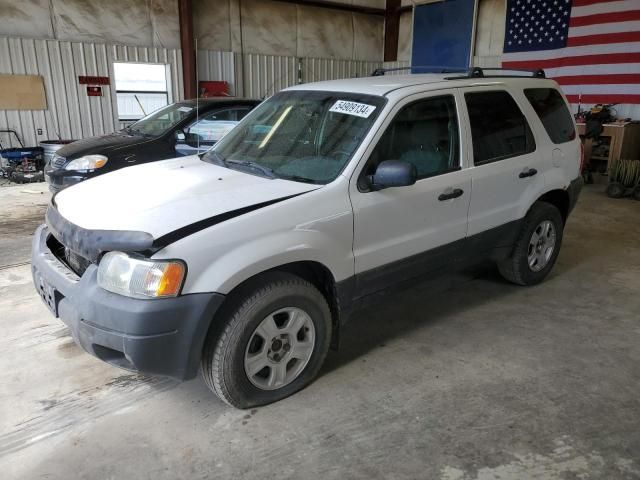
(442, 36)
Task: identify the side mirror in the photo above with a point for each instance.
(393, 173)
(190, 139)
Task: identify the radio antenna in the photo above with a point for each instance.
(197, 92)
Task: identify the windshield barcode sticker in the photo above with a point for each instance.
(185, 109)
(353, 108)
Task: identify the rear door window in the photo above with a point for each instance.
(499, 130)
(213, 126)
(553, 112)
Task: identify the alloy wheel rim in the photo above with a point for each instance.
(280, 348)
(541, 246)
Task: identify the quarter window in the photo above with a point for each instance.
(553, 112)
(425, 134)
(499, 130)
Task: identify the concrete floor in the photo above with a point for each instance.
(489, 381)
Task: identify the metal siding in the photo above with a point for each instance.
(70, 112)
(398, 64)
(319, 69)
(219, 66)
(263, 75)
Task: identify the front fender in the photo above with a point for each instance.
(220, 258)
(248, 260)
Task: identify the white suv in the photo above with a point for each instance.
(247, 260)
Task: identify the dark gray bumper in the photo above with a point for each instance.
(156, 336)
(575, 187)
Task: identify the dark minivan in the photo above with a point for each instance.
(182, 128)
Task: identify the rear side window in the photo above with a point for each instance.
(553, 112)
(499, 130)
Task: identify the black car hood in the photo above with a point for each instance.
(111, 143)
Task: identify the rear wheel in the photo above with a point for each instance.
(537, 246)
(273, 343)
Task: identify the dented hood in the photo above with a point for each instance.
(161, 197)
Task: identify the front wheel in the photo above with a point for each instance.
(275, 339)
(536, 248)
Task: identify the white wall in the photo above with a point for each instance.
(132, 22)
(268, 27)
(278, 28)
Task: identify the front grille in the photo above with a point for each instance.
(75, 262)
(57, 162)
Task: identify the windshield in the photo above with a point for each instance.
(161, 120)
(305, 136)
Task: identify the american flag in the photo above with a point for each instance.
(590, 47)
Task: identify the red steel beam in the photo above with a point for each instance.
(185, 18)
(391, 30)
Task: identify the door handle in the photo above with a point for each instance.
(529, 172)
(449, 194)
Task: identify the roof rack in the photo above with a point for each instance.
(475, 72)
(479, 72)
(378, 72)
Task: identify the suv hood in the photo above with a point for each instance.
(161, 197)
(103, 145)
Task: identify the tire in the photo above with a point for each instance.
(517, 268)
(615, 190)
(235, 342)
(636, 193)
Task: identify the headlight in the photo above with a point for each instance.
(88, 162)
(139, 278)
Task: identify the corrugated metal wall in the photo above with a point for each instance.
(258, 76)
(71, 113)
(262, 75)
(318, 69)
(214, 65)
(399, 64)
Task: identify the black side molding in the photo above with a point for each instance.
(90, 244)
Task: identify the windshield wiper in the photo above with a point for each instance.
(216, 157)
(256, 166)
(298, 178)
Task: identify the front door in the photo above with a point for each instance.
(402, 233)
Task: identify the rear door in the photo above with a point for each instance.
(506, 173)
(402, 233)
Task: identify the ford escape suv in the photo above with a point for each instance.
(246, 261)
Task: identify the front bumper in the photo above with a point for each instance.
(155, 336)
(60, 179)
